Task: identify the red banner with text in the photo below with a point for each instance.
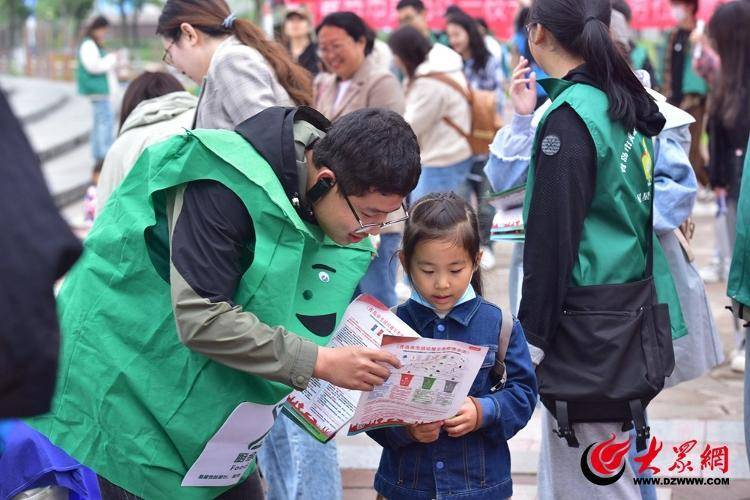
(499, 14)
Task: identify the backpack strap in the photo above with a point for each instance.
(498, 370)
(564, 427)
(466, 93)
(642, 430)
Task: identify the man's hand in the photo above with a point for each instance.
(466, 421)
(425, 433)
(354, 367)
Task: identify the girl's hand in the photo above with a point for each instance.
(425, 433)
(466, 421)
(523, 88)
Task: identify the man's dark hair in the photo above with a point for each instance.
(416, 4)
(691, 4)
(623, 8)
(354, 26)
(371, 149)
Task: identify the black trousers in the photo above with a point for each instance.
(252, 489)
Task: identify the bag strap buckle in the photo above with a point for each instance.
(564, 428)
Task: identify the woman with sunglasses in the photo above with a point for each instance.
(241, 71)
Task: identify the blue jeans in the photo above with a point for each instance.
(296, 466)
(380, 279)
(443, 179)
(102, 129)
(648, 491)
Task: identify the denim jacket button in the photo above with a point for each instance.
(441, 327)
(439, 465)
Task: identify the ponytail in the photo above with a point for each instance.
(582, 28)
(214, 18)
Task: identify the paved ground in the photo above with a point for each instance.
(708, 409)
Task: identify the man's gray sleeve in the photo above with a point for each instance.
(211, 241)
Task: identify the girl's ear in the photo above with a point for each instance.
(478, 259)
(402, 259)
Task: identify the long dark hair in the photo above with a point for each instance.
(95, 24)
(147, 86)
(208, 16)
(411, 47)
(477, 47)
(728, 28)
(582, 28)
(354, 26)
(443, 216)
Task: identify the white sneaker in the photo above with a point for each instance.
(488, 259)
(403, 291)
(712, 274)
(738, 361)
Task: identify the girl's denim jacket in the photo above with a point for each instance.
(476, 465)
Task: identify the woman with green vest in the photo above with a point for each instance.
(94, 64)
(588, 219)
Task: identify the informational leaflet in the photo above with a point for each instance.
(229, 453)
(507, 225)
(433, 382)
(322, 409)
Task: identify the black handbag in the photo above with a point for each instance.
(610, 356)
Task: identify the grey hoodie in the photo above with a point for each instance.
(152, 121)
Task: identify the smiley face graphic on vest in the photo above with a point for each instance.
(324, 286)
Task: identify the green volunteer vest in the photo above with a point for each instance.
(614, 239)
(691, 82)
(90, 83)
(738, 286)
(132, 402)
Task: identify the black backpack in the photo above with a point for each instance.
(610, 356)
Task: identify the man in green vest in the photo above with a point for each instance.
(177, 321)
(679, 81)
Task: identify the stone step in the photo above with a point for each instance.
(63, 129)
(33, 99)
(69, 174)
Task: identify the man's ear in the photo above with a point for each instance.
(189, 33)
(321, 183)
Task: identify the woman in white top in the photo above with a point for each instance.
(435, 109)
(240, 70)
(92, 75)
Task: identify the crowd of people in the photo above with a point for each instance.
(337, 148)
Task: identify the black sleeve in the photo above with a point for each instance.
(212, 241)
(564, 183)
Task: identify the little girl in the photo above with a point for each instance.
(467, 455)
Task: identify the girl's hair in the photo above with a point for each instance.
(95, 24)
(728, 28)
(443, 216)
(147, 86)
(582, 28)
(477, 47)
(209, 17)
(354, 26)
(411, 47)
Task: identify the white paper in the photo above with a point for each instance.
(433, 382)
(231, 450)
(324, 407)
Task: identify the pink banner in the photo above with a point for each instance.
(499, 14)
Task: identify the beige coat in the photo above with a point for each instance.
(371, 87)
(429, 100)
